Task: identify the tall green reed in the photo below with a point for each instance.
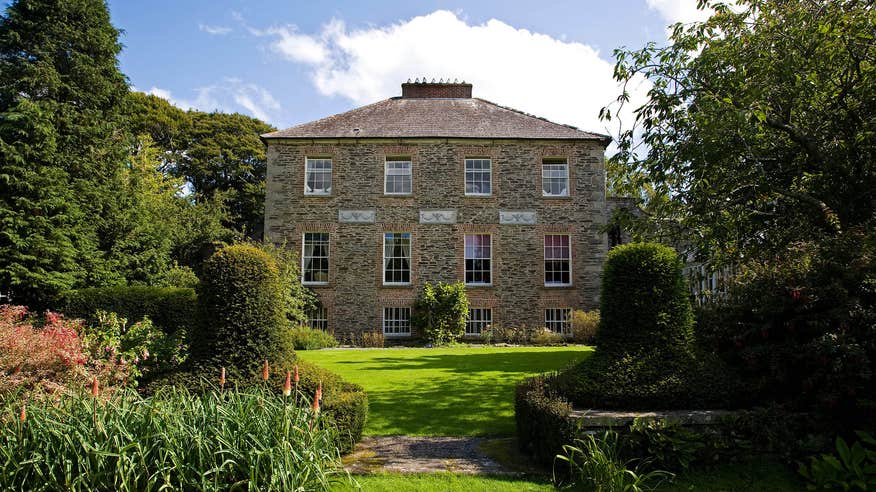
(249, 440)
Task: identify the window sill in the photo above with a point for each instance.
(397, 335)
(480, 196)
(479, 286)
(315, 284)
(557, 197)
(558, 286)
(397, 286)
(313, 195)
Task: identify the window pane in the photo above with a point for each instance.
(398, 178)
(479, 319)
(318, 176)
(557, 259)
(397, 321)
(315, 257)
(317, 318)
(555, 177)
(396, 257)
(478, 259)
(557, 320)
(478, 176)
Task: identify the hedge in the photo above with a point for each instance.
(170, 308)
(543, 423)
(241, 306)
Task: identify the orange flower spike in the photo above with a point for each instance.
(319, 391)
(295, 375)
(315, 406)
(287, 386)
(266, 371)
(95, 388)
(222, 379)
(23, 415)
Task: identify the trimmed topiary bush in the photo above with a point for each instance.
(645, 301)
(242, 309)
(543, 424)
(645, 358)
(171, 309)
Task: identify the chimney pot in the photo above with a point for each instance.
(436, 90)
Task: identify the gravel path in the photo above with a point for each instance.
(403, 454)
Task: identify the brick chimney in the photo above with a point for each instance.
(435, 90)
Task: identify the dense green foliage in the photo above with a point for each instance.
(456, 391)
(646, 358)
(61, 158)
(297, 299)
(543, 426)
(251, 439)
(851, 468)
(760, 127)
(800, 328)
(219, 155)
(645, 305)
(306, 338)
(240, 300)
(171, 309)
(440, 312)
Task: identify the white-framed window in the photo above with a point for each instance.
(396, 258)
(478, 177)
(478, 259)
(557, 320)
(557, 259)
(318, 176)
(315, 258)
(397, 321)
(397, 177)
(317, 318)
(479, 319)
(555, 177)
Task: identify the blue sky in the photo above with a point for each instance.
(290, 62)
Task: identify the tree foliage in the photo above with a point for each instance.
(760, 127)
(60, 148)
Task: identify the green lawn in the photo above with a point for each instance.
(461, 391)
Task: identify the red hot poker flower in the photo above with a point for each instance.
(222, 379)
(23, 415)
(95, 388)
(287, 386)
(295, 375)
(266, 371)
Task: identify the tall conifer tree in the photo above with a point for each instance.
(61, 150)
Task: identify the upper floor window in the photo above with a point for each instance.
(478, 177)
(557, 320)
(318, 176)
(557, 260)
(397, 177)
(555, 177)
(315, 258)
(479, 319)
(397, 258)
(478, 259)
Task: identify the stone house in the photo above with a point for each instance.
(433, 186)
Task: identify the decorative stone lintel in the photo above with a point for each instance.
(517, 217)
(360, 216)
(437, 216)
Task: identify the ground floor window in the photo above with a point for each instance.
(317, 318)
(479, 319)
(557, 320)
(397, 321)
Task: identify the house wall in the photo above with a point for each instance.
(355, 296)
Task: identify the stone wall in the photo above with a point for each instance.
(355, 297)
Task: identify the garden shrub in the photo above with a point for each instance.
(646, 358)
(177, 276)
(297, 299)
(440, 312)
(585, 325)
(543, 426)
(851, 468)
(799, 328)
(547, 337)
(667, 444)
(170, 309)
(306, 338)
(373, 339)
(234, 440)
(241, 303)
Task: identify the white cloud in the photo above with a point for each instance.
(679, 10)
(567, 82)
(231, 96)
(214, 30)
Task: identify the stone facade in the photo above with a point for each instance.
(438, 214)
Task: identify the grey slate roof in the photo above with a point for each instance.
(423, 117)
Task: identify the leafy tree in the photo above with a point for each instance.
(60, 148)
(760, 130)
(218, 154)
